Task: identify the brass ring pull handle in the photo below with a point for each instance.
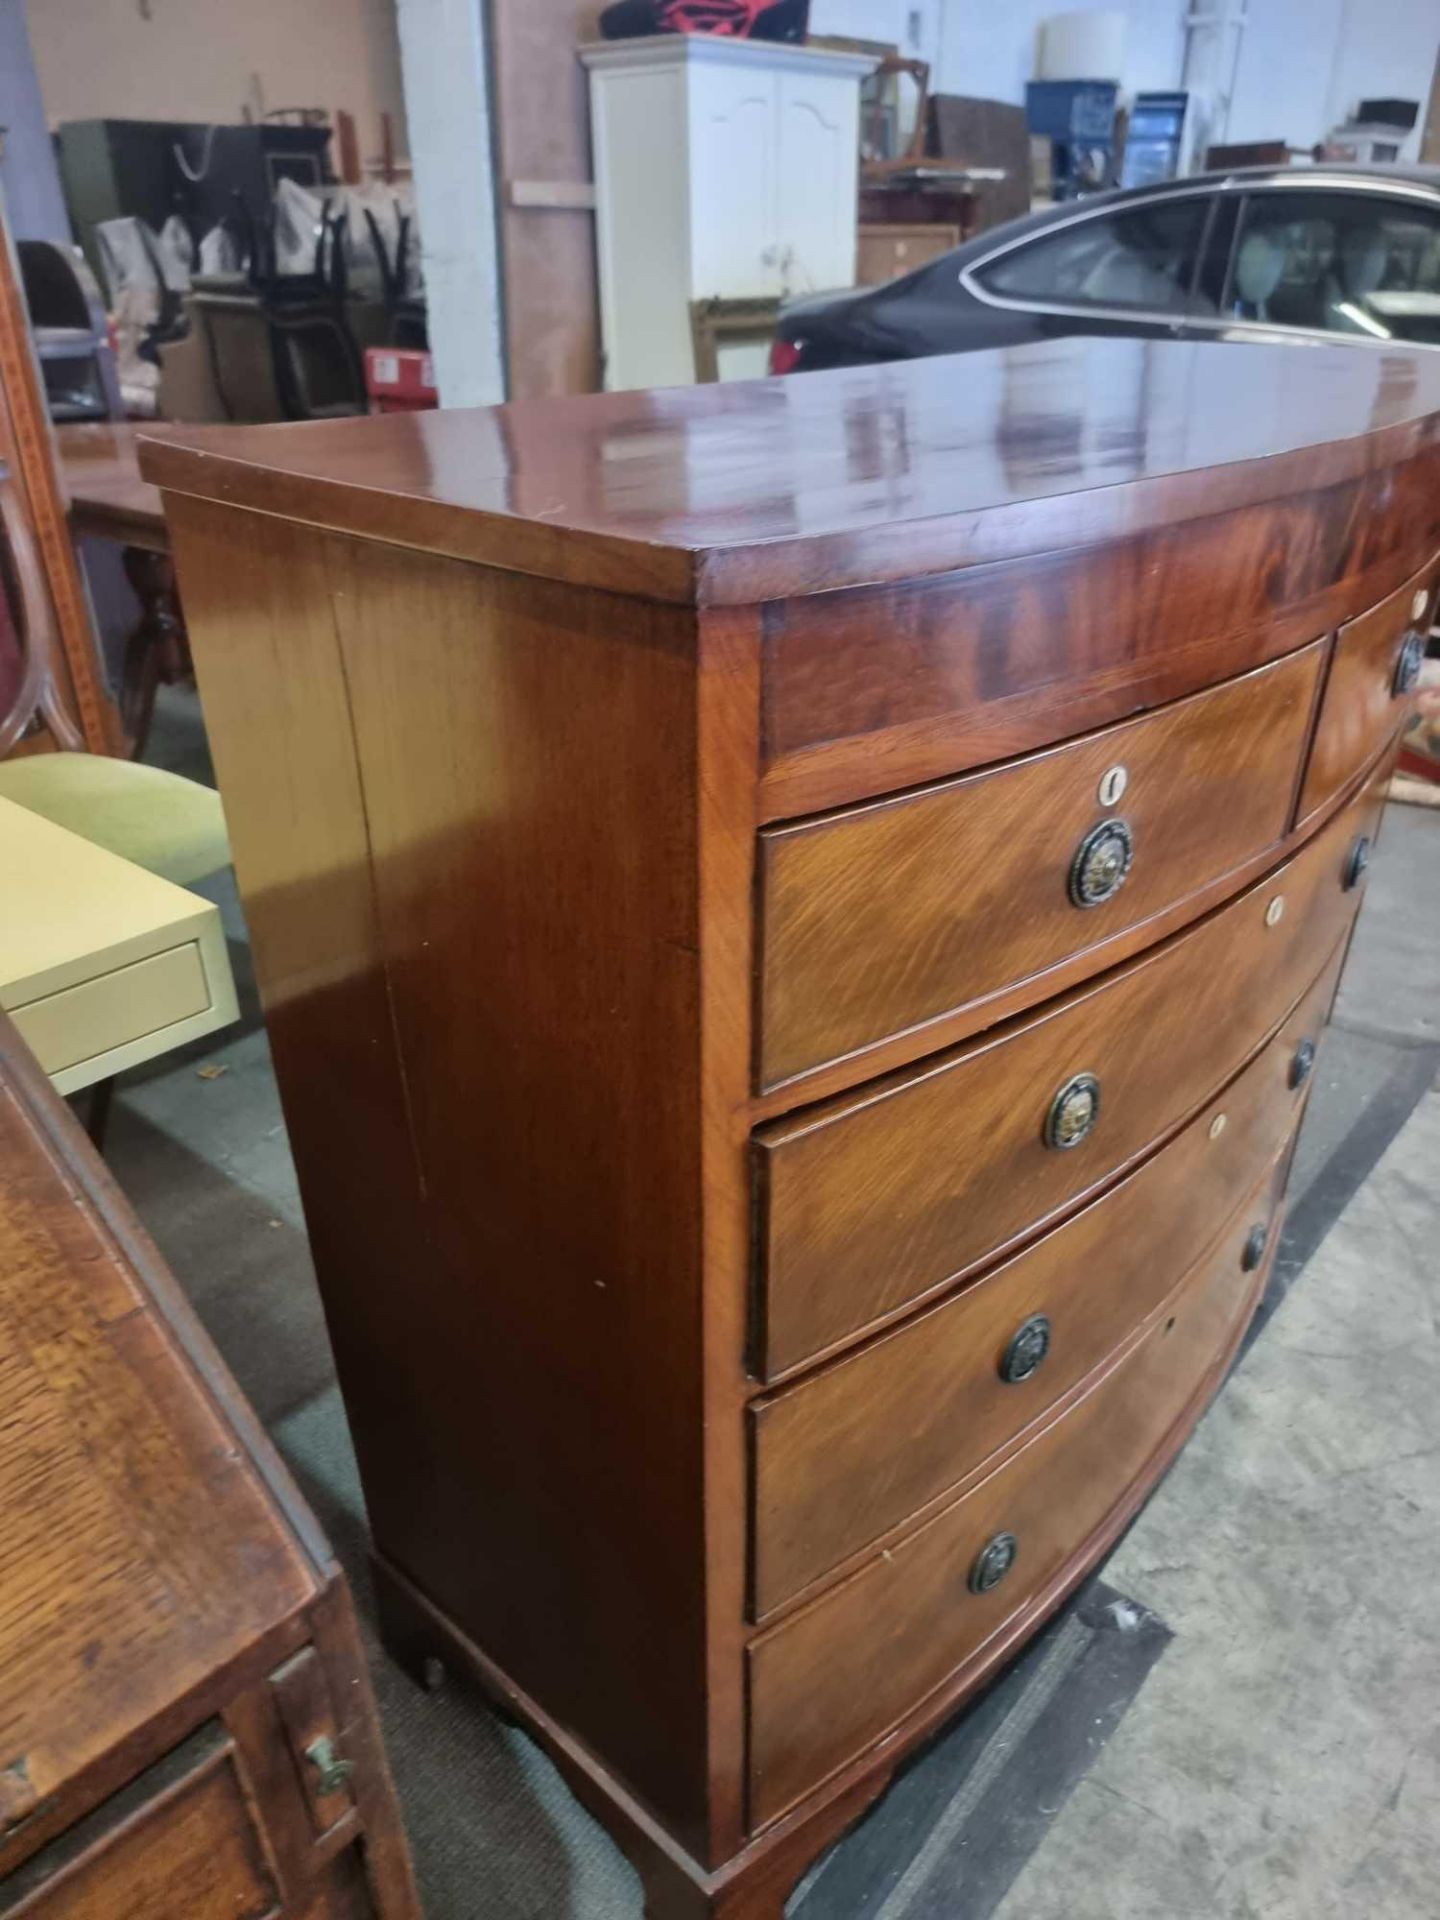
(1356, 861)
(1408, 664)
(1101, 864)
(993, 1562)
(1301, 1064)
(1073, 1113)
(1025, 1350)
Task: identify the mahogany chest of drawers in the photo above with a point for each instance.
(795, 920)
(186, 1725)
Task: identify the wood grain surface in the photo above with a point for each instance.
(1361, 706)
(871, 1202)
(845, 1456)
(832, 1678)
(761, 489)
(879, 688)
(157, 1567)
(134, 1529)
(880, 919)
(497, 1021)
(196, 1852)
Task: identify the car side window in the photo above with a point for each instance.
(1352, 263)
(1138, 257)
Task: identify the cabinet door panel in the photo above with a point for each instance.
(734, 162)
(816, 184)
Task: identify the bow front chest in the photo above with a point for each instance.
(795, 921)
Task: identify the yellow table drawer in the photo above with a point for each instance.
(65, 1029)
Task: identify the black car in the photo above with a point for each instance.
(1303, 253)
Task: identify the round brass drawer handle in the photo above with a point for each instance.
(1408, 664)
(1073, 1113)
(1255, 1245)
(1356, 861)
(1027, 1347)
(1301, 1064)
(993, 1562)
(1101, 864)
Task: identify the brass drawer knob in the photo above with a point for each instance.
(1356, 861)
(1027, 1347)
(1255, 1245)
(1301, 1063)
(1102, 864)
(1073, 1113)
(331, 1772)
(993, 1562)
(1408, 665)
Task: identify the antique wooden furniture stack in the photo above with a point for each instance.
(795, 921)
(186, 1725)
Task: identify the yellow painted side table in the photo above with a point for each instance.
(102, 964)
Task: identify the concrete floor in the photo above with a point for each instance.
(1281, 1759)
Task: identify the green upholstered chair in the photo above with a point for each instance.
(161, 821)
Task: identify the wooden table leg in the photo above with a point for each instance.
(159, 648)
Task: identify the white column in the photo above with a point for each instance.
(443, 60)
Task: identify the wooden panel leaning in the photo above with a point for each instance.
(162, 1579)
(742, 880)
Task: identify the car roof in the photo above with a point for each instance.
(1306, 173)
(1338, 175)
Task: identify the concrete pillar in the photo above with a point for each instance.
(443, 61)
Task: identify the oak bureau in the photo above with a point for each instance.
(187, 1730)
(795, 920)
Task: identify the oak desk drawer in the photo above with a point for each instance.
(1369, 683)
(860, 1448)
(885, 916)
(194, 1853)
(869, 1202)
(833, 1678)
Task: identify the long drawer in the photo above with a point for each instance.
(882, 917)
(869, 1203)
(946, 1602)
(857, 1449)
(1371, 676)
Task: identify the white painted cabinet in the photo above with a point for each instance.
(722, 168)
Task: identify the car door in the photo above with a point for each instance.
(1131, 269)
(1356, 263)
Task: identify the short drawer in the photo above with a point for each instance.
(868, 1203)
(195, 1851)
(930, 1613)
(860, 1448)
(115, 1009)
(883, 917)
(1368, 688)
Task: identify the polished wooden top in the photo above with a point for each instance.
(102, 479)
(143, 1546)
(764, 488)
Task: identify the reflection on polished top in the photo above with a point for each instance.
(759, 488)
(102, 479)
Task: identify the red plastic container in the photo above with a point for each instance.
(400, 380)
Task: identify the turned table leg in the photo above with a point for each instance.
(158, 650)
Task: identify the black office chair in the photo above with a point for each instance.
(288, 333)
(406, 318)
(71, 335)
